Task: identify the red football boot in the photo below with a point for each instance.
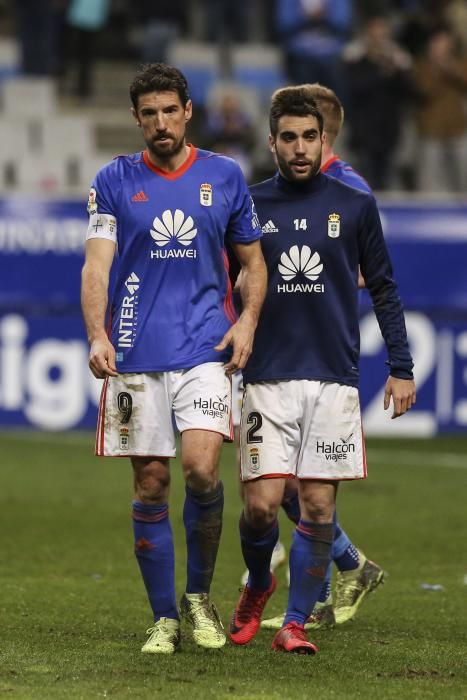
(247, 615)
(292, 638)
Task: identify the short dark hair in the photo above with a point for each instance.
(296, 101)
(330, 107)
(158, 77)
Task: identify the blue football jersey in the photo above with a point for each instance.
(342, 171)
(316, 234)
(172, 299)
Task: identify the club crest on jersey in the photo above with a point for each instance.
(205, 195)
(92, 204)
(334, 225)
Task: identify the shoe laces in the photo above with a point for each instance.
(204, 614)
(160, 628)
(293, 629)
(251, 603)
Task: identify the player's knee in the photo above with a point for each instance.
(318, 510)
(152, 482)
(260, 513)
(201, 478)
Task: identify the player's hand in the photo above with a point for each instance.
(361, 279)
(403, 395)
(102, 358)
(240, 336)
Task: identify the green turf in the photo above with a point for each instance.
(73, 611)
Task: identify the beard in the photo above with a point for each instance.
(164, 150)
(288, 172)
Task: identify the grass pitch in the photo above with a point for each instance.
(73, 609)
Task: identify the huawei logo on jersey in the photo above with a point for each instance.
(300, 260)
(173, 227)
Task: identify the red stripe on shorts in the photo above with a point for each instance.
(99, 448)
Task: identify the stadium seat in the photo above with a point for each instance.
(200, 64)
(37, 97)
(258, 66)
(14, 137)
(68, 136)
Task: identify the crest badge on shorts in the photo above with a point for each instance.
(205, 195)
(334, 225)
(124, 435)
(254, 459)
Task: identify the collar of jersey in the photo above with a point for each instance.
(300, 188)
(173, 174)
(328, 163)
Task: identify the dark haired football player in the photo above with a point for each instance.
(356, 575)
(174, 336)
(301, 412)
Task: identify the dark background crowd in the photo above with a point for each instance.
(400, 69)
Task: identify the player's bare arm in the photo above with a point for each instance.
(94, 297)
(403, 395)
(252, 290)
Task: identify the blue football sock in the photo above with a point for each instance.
(257, 548)
(326, 587)
(202, 516)
(291, 506)
(155, 554)
(309, 558)
(344, 553)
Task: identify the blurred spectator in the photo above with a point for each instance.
(414, 29)
(231, 130)
(226, 20)
(313, 33)
(456, 16)
(161, 23)
(84, 20)
(38, 24)
(441, 79)
(379, 83)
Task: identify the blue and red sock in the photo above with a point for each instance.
(257, 548)
(344, 553)
(202, 516)
(154, 551)
(310, 556)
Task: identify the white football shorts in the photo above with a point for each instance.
(237, 398)
(136, 410)
(303, 428)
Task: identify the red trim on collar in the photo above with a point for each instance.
(172, 175)
(328, 163)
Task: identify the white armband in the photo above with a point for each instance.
(102, 226)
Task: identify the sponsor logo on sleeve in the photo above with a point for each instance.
(92, 204)
(254, 216)
(128, 317)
